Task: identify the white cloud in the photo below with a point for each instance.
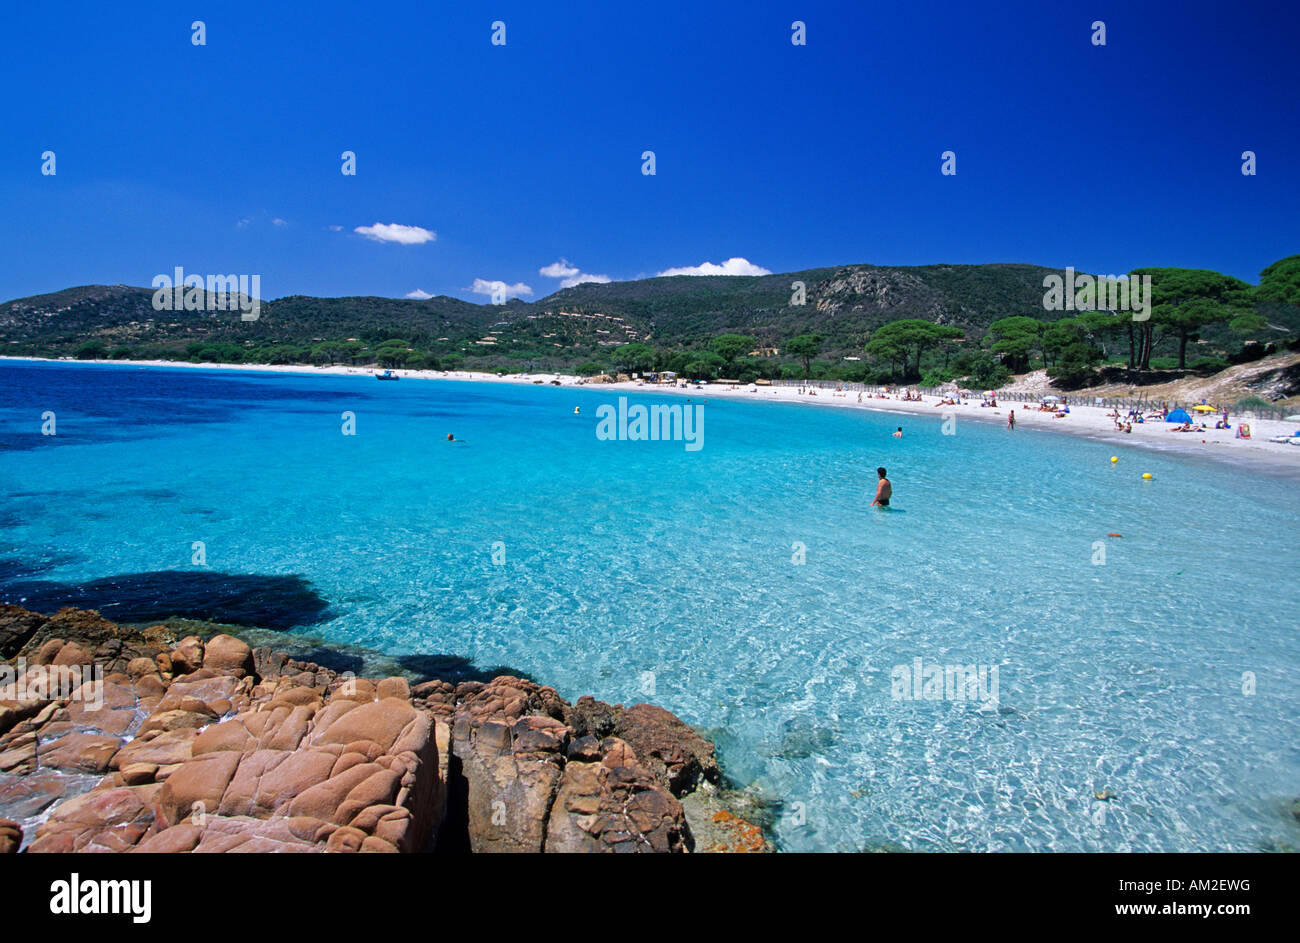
(396, 232)
(243, 222)
(560, 269)
(335, 228)
(733, 266)
(483, 286)
(278, 222)
(570, 274)
(419, 294)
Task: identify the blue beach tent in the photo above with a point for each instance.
(1178, 415)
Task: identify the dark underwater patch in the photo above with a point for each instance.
(14, 569)
(25, 441)
(273, 602)
(116, 404)
(17, 568)
(153, 494)
(332, 658)
(454, 668)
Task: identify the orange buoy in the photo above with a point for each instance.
(1114, 535)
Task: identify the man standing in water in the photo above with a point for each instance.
(1011, 421)
(884, 490)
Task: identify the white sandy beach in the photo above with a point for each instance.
(1090, 421)
(1093, 422)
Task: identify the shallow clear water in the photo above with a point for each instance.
(632, 567)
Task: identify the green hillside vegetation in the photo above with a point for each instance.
(923, 324)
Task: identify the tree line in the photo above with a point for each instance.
(1235, 320)
(1185, 304)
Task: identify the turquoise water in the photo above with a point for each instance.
(632, 567)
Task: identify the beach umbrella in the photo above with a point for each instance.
(1178, 415)
(1202, 408)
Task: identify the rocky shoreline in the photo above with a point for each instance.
(116, 738)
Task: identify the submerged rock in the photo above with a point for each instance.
(724, 822)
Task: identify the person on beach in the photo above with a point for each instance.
(1011, 421)
(884, 491)
(899, 433)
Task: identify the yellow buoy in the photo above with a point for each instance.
(1114, 458)
(1146, 475)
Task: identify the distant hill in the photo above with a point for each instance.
(843, 303)
(993, 318)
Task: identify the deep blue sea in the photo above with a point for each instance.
(746, 586)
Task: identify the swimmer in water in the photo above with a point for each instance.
(899, 433)
(450, 437)
(884, 490)
(577, 411)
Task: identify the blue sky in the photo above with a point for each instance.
(225, 158)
